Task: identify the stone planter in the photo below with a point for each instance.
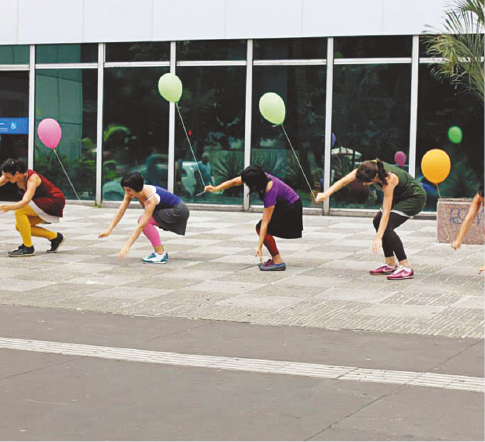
(450, 216)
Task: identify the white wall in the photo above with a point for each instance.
(94, 21)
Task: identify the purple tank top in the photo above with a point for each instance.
(280, 193)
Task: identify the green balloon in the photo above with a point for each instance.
(170, 87)
(455, 134)
(272, 107)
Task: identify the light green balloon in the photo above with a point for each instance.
(272, 107)
(170, 87)
(455, 134)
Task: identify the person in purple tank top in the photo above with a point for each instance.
(163, 209)
(282, 214)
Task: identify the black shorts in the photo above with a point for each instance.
(286, 221)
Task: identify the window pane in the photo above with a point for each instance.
(441, 106)
(374, 47)
(211, 50)
(70, 97)
(156, 51)
(135, 128)
(14, 114)
(370, 120)
(302, 88)
(75, 53)
(14, 54)
(212, 108)
(290, 48)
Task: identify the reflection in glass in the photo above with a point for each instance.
(14, 99)
(370, 120)
(71, 53)
(135, 132)
(441, 106)
(303, 90)
(212, 108)
(154, 51)
(70, 97)
(373, 47)
(290, 49)
(211, 50)
(14, 54)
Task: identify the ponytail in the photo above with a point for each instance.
(368, 170)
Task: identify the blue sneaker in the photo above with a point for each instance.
(155, 258)
(271, 266)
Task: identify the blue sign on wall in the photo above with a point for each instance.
(18, 126)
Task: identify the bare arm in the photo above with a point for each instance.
(225, 185)
(32, 184)
(470, 216)
(335, 187)
(147, 214)
(2, 180)
(388, 190)
(267, 214)
(118, 215)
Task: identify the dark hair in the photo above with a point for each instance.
(256, 179)
(480, 187)
(368, 170)
(134, 181)
(13, 166)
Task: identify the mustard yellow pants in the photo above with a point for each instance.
(26, 221)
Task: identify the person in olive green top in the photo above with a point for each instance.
(403, 198)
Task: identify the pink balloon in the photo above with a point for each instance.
(50, 132)
(400, 158)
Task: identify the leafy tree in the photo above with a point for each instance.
(461, 48)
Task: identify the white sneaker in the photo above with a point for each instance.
(155, 258)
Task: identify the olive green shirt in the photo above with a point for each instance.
(409, 196)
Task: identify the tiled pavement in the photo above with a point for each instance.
(212, 274)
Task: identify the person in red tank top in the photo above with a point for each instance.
(41, 203)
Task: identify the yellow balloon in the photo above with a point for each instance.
(436, 165)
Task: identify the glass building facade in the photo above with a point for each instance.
(348, 99)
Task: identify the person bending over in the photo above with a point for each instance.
(403, 198)
(41, 203)
(162, 209)
(282, 213)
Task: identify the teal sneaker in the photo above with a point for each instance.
(155, 258)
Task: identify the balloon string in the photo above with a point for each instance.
(298, 161)
(446, 227)
(66, 174)
(190, 145)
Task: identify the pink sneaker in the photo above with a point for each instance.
(401, 273)
(383, 270)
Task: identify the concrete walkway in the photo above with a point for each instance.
(212, 274)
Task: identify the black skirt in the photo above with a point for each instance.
(173, 219)
(286, 221)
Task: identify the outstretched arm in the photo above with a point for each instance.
(470, 216)
(147, 214)
(118, 215)
(225, 185)
(32, 184)
(346, 180)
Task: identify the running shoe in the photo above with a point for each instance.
(155, 258)
(383, 270)
(56, 243)
(22, 251)
(271, 266)
(401, 273)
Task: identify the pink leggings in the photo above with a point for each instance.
(151, 232)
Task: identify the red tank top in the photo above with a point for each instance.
(47, 196)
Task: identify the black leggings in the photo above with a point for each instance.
(391, 243)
